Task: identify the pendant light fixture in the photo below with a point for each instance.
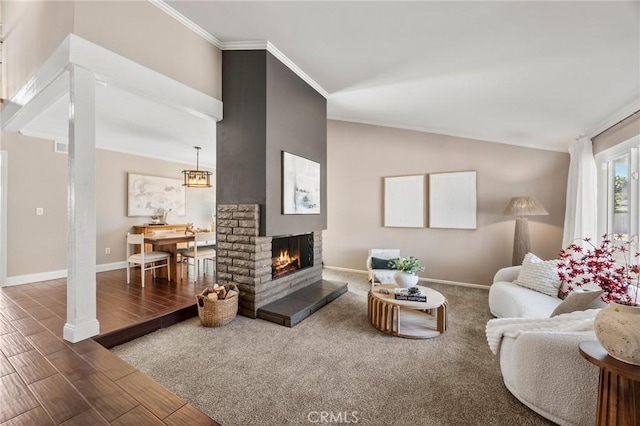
(197, 178)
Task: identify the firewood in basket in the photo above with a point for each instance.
(222, 293)
(212, 296)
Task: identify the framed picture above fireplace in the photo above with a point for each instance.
(300, 185)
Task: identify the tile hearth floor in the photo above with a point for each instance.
(45, 380)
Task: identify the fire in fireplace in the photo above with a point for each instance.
(290, 254)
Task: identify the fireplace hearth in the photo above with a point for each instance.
(246, 258)
(290, 254)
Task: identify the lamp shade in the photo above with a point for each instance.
(525, 206)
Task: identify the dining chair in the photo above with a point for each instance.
(144, 258)
(203, 249)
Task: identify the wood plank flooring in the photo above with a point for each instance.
(45, 380)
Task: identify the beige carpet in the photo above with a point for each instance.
(252, 372)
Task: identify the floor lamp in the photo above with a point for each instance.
(521, 207)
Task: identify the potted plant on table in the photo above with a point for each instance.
(408, 268)
(612, 267)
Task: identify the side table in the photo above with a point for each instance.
(619, 389)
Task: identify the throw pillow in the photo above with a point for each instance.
(580, 300)
(539, 275)
(377, 263)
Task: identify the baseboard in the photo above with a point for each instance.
(34, 278)
(77, 333)
(338, 268)
(111, 266)
(456, 283)
(432, 280)
(54, 275)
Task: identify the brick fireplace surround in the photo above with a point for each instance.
(244, 259)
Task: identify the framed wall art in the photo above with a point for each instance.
(404, 201)
(453, 200)
(300, 185)
(150, 195)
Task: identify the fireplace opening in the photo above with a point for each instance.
(290, 254)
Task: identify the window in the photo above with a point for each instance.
(618, 190)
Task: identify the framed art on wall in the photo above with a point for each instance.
(404, 201)
(300, 185)
(150, 195)
(453, 200)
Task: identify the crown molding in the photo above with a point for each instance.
(269, 47)
(297, 70)
(240, 45)
(622, 113)
(160, 4)
(245, 45)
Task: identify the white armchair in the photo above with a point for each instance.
(384, 276)
(545, 371)
(539, 357)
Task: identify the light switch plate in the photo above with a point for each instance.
(39, 211)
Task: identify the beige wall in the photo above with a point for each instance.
(38, 178)
(134, 29)
(143, 33)
(32, 31)
(360, 155)
(111, 202)
(617, 134)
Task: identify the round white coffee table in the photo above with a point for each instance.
(417, 320)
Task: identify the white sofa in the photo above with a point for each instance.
(543, 369)
(509, 300)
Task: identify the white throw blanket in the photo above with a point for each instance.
(514, 327)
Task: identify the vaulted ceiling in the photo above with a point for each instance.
(525, 73)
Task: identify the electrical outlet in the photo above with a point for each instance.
(107, 251)
(39, 211)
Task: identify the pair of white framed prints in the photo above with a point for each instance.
(452, 200)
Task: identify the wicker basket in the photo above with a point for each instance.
(214, 313)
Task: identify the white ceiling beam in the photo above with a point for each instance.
(46, 86)
(117, 70)
(17, 118)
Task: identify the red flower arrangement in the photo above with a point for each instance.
(605, 265)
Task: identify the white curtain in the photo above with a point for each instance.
(580, 218)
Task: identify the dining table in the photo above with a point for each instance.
(168, 242)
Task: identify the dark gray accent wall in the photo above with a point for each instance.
(240, 136)
(296, 123)
(268, 109)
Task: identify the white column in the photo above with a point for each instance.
(81, 209)
(3, 215)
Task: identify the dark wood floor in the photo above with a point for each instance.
(45, 380)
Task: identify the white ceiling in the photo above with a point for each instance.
(130, 123)
(526, 73)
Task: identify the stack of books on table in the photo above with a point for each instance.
(410, 295)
